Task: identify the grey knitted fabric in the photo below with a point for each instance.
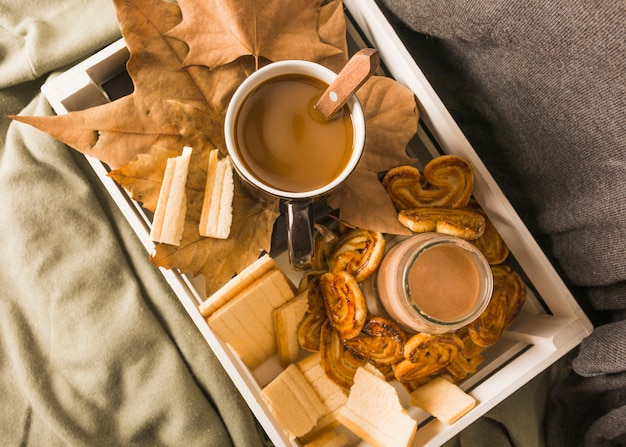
(539, 89)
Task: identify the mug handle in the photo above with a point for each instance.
(300, 234)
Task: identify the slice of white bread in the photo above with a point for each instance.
(293, 402)
(217, 208)
(238, 283)
(286, 319)
(374, 412)
(443, 399)
(329, 392)
(169, 216)
(245, 322)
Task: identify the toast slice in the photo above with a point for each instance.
(217, 208)
(293, 402)
(286, 319)
(374, 412)
(332, 395)
(169, 216)
(443, 399)
(245, 322)
(238, 283)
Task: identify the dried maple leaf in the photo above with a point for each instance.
(219, 259)
(391, 117)
(252, 225)
(136, 134)
(143, 176)
(332, 29)
(275, 30)
(115, 133)
(175, 96)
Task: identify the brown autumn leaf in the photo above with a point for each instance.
(219, 259)
(115, 133)
(174, 91)
(391, 117)
(142, 177)
(252, 224)
(259, 28)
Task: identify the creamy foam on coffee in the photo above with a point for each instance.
(284, 142)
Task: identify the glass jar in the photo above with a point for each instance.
(434, 283)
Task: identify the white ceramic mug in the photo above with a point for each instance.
(298, 203)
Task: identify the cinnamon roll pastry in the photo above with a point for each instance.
(411, 386)
(310, 327)
(359, 252)
(344, 302)
(462, 366)
(463, 223)
(381, 341)
(310, 330)
(310, 283)
(338, 363)
(447, 182)
(509, 294)
(470, 349)
(324, 240)
(426, 354)
(491, 244)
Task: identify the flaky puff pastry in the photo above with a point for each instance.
(359, 252)
(426, 354)
(344, 302)
(463, 223)
(310, 327)
(381, 341)
(490, 243)
(509, 294)
(469, 357)
(447, 182)
(339, 363)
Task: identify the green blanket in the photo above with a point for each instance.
(95, 349)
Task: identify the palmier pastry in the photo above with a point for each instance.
(310, 327)
(447, 182)
(425, 354)
(359, 252)
(491, 244)
(310, 330)
(468, 359)
(323, 242)
(381, 341)
(461, 366)
(310, 283)
(345, 304)
(463, 223)
(509, 294)
(338, 363)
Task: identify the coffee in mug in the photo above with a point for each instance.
(282, 147)
(284, 142)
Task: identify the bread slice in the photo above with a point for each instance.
(245, 322)
(374, 412)
(217, 208)
(443, 399)
(169, 216)
(238, 283)
(333, 396)
(286, 319)
(293, 402)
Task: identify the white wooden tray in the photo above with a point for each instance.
(551, 322)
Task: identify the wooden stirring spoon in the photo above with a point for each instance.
(359, 69)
